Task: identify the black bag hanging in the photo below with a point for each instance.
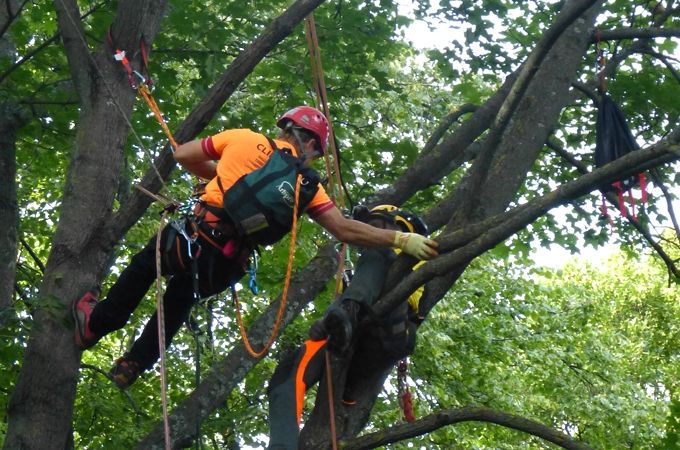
(614, 140)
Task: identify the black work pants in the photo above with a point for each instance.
(304, 367)
(215, 274)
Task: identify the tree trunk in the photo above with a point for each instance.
(41, 405)
(12, 118)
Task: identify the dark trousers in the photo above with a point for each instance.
(304, 367)
(215, 274)
(297, 372)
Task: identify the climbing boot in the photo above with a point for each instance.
(81, 311)
(340, 322)
(125, 372)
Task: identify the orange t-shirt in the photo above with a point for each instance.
(240, 152)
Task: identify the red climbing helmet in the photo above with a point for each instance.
(311, 119)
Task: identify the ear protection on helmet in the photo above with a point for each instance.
(408, 222)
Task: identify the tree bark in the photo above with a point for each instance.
(41, 405)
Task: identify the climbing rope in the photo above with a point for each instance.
(160, 316)
(322, 103)
(334, 175)
(284, 294)
(146, 95)
(331, 405)
(109, 90)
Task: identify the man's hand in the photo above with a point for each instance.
(416, 245)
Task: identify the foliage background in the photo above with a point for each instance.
(589, 349)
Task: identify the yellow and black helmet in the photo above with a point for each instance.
(407, 221)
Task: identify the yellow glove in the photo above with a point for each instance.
(416, 245)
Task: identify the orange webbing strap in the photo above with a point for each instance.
(284, 295)
(311, 350)
(160, 320)
(146, 94)
(322, 100)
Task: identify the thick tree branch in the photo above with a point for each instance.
(533, 62)
(460, 247)
(451, 416)
(613, 200)
(501, 161)
(634, 33)
(75, 45)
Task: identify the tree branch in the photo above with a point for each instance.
(35, 257)
(669, 201)
(430, 167)
(533, 62)
(451, 416)
(613, 200)
(125, 393)
(11, 16)
(664, 60)
(445, 124)
(28, 56)
(460, 247)
(634, 33)
(75, 44)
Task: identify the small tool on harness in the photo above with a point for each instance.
(252, 272)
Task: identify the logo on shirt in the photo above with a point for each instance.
(287, 193)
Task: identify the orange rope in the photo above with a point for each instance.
(146, 94)
(284, 295)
